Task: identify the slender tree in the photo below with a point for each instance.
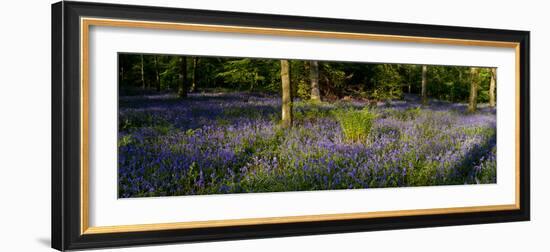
(404, 71)
(182, 91)
(472, 104)
(375, 81)
(287, 94)
(492, 87)
(409, 83)
(314, 77)
(194, 74)
(424, 85)
(121, 62)
(142, 73)
(157, 72)
(409, 70)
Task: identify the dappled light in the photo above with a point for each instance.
(224, 125)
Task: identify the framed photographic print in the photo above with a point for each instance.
(180, 125)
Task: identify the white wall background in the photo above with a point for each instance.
(25, 124)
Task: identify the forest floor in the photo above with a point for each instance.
(233, 143)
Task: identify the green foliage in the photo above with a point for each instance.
(452, 83)
(241, 112)
(402, 115)
(299, 77)
(169, 72)
(411, 77)
(407, 114)
(448, 82)
(387, 82)
(334, 73)
(356, 124)
(479, 131)
(125, 140)
(163, 129)
(242, 72)
(303, 90)
(487, 170)
(484, 82)
(337, 80)
(423, 174)
(386, 130)
(310, 110)
(250, 74)
(140, 120)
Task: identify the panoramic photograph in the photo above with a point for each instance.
(198, 125)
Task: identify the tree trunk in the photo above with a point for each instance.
(424, 85)
(121, 66)
(314, 76)
(255, 82)
(472, 105)
(409, 80)
(194, 75)
(182, 91)
(142, 73)
(492, 86)
(287, 94)
(157, 73)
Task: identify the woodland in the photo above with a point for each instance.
(191, 125)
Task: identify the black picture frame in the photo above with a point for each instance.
(66, 124)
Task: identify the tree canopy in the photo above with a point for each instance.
(309, 79)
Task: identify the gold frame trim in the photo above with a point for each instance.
(85, 24)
